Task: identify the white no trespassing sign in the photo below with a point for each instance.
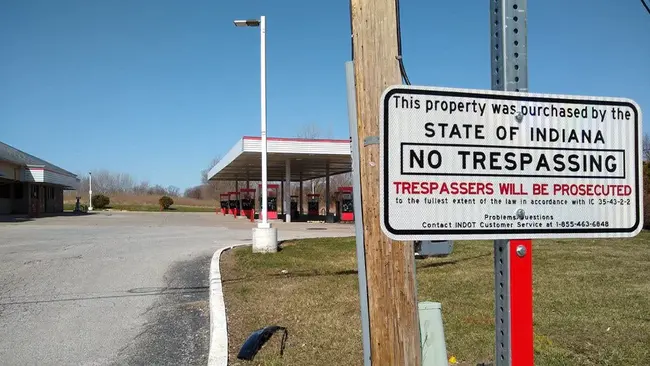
(476, 164)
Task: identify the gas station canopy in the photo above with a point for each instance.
(308, 159)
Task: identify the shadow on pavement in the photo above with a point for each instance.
(28, 218)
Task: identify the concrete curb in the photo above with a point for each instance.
(218, 354)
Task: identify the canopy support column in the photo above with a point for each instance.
(238, 195)
(287, 192)
(300, 197)
(327, 190)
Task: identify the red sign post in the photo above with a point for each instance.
(521, 302)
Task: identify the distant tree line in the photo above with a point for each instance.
(112, 183)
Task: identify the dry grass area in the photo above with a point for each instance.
(130, 199)
(317, 300)
(592, 301)
(132, 202)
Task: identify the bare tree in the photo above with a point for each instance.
(212, 189)
(107, 182)
(124, 183)
(204, 172)
(313, 131)
(112, 183)
(173, 191)
(209, 189)
(193, 192)
(646, 147)
(142, 188)
(341, 180)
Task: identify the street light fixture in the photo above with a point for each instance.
(248, 23)
(261, 23)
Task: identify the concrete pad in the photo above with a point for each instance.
(77, 289)
(265, 240)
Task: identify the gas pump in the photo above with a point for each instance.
(272, 201)
(345, 204)
(313, 200)
(247, 196)
(231, 204)
(223, 197)
(294, 207)
(234, 204)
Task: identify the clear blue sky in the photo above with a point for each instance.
(161, 87)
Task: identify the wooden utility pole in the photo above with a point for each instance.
(390, 266)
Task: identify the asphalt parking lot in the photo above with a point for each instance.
(115, 287)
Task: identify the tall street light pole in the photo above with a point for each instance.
(261, 23)
(90, 191)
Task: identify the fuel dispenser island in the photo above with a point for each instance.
(313, 201)
(224, 198)
(233, 203)
(272, 201)
(294, 207)
(345, 204)
(247, 196)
